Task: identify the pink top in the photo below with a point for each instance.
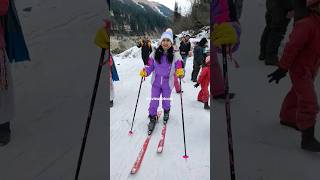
(4, 4)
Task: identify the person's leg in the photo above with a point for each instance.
(217, 77)
(184, 59)
(193, 71)
(154, 102)
(278, 28)
(307, 110)
(205, 93)
(111, 92)
(166, 94)
(6, 100)
(264, 37)
(196, 70)
(289, 110)
(176, 84)
(200, 95)
(145, 61)
(308, 107)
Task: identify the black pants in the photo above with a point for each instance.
(195, 72)
(275, 30)
(145, 60)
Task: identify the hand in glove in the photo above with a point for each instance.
(224, 34)
(102, 38)
(143, 73)
(196, 85)
(180, 73)
(277, 75)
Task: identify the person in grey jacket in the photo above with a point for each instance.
(198, 58)
(277, 21)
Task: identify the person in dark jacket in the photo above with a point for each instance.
(300, 9)
(198, 58)
(184, 48)
(276, 27)
(146, 49)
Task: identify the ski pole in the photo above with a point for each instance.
(184, 135)
(135, 109)
(93, 98)
(228, 114)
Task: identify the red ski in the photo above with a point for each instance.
(143, 150)
(163, 136)
(138, 162)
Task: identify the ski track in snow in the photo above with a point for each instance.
(169, 164)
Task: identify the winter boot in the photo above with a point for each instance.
(206, 105)
(111, 103)
(4, 133)
(152, 124)
(308, 141)
(166, 116)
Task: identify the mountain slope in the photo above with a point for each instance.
(138, 16)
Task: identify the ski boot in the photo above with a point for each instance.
(206, 105)
(166, 116)
(4, 134)
(309, 142)
(152, 124)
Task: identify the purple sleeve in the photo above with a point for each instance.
(150, 66)
(219, 11)
(178, 64)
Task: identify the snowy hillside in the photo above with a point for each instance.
(169, 164)
(130, 16)
(157, 7)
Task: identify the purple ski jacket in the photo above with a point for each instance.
(163, 74)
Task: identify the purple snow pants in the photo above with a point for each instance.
(160, 86)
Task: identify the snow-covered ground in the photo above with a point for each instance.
(170, 164)
(263, 148)
(53, 93)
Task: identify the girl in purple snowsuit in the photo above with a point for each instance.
(163, 64)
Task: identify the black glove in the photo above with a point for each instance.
(196, 85)
(277, 75)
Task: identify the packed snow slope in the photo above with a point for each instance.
(263, 148)
(52, 94)
(170, 164)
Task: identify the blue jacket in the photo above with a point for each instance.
(114, 72)
(15, 44)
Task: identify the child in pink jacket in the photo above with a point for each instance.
(301, 58)
(204, 81)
